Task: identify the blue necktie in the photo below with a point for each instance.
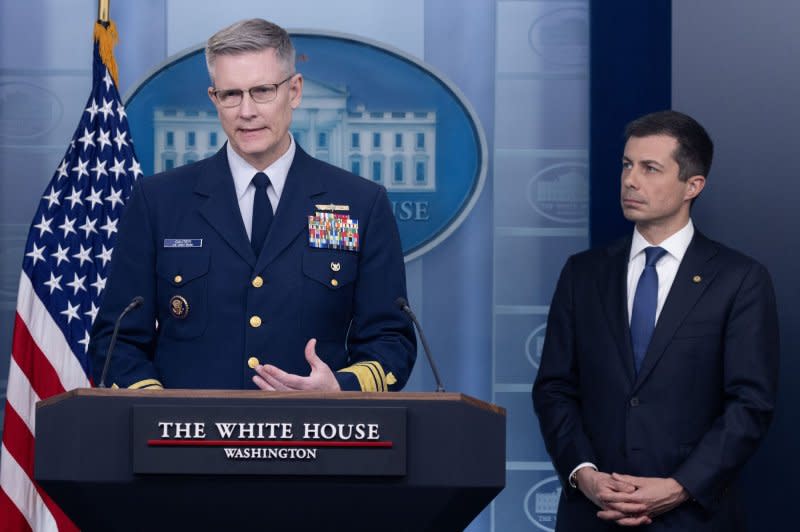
(262, 213)
(643, 316)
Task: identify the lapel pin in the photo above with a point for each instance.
(696, 279)
(335, 266)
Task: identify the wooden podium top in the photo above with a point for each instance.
(261, 394)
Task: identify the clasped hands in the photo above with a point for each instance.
(629, 500)
(321, 378)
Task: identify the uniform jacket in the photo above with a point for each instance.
(701, 402)
(210, 304)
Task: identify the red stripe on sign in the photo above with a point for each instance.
(261, 443)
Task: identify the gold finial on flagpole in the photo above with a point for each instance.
(102, 10)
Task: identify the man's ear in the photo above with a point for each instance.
(296, 89)
(694, 186)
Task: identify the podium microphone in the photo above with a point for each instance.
(403, 304)
(135, 303)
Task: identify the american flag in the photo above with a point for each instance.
(63, 276)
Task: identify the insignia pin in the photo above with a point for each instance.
(335, 266)
(332, 207)
(179, 307)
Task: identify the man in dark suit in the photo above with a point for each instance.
(259, 266)
(659, 369)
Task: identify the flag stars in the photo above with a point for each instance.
(135, 168)
(87, 139)
(44, 226)
(108, 81)
(115, 197)
(118, 168)
(104, 138)
(82, 255)
(52, 198)
(99, 284)
(62, 169)
(99, 168)
(106, 109)
(92, 313)
(71, 312)
(37, 254)
(121, 111)
(54, 283)
(81, 168)
(88, 226)
(60, 255)
(92, 110)
(110, 227)
(74, 198)
(119, 138)
(85, 341)
(94, 198)
(105, 255)
(77, 284)
(68, 226)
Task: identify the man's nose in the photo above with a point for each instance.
(630, 179)
(248, 106)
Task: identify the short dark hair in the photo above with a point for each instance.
(695, 148)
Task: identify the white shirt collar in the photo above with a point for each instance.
(676, 245)
(243, 172)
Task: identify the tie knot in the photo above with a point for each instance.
(653, 255)
(261, 181)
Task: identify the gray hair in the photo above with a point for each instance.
(252, 35)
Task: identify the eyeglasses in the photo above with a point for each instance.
(259, 94)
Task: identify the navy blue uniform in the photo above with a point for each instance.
(210, 304)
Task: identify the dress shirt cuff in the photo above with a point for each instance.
(572, 476)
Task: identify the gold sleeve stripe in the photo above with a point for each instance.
(375, 375)
(370, 375)
(365, 380)
(146, 383)
(380, 376)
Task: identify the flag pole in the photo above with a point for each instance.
(102, 10)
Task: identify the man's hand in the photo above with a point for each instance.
(270, 378)
(652, 496)
(598, 486)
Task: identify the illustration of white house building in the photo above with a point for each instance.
(394, 148)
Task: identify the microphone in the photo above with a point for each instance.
(135, 303)
(403, 304)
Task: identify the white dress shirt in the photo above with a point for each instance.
(243, 173)
(676, 246)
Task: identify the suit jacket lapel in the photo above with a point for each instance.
(613, 293)
(685, 291)
(303, 182)
(221, 208)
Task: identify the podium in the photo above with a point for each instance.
(253, 460)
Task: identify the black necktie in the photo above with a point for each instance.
(645, 302)
(262, 213)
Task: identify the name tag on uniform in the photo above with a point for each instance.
(327, 230)
(183, 242)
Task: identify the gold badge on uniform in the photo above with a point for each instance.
(179, 307)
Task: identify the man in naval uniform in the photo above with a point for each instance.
(258, 266)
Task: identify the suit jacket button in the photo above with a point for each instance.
(634, 401)
(258, 281)
(255, 321)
